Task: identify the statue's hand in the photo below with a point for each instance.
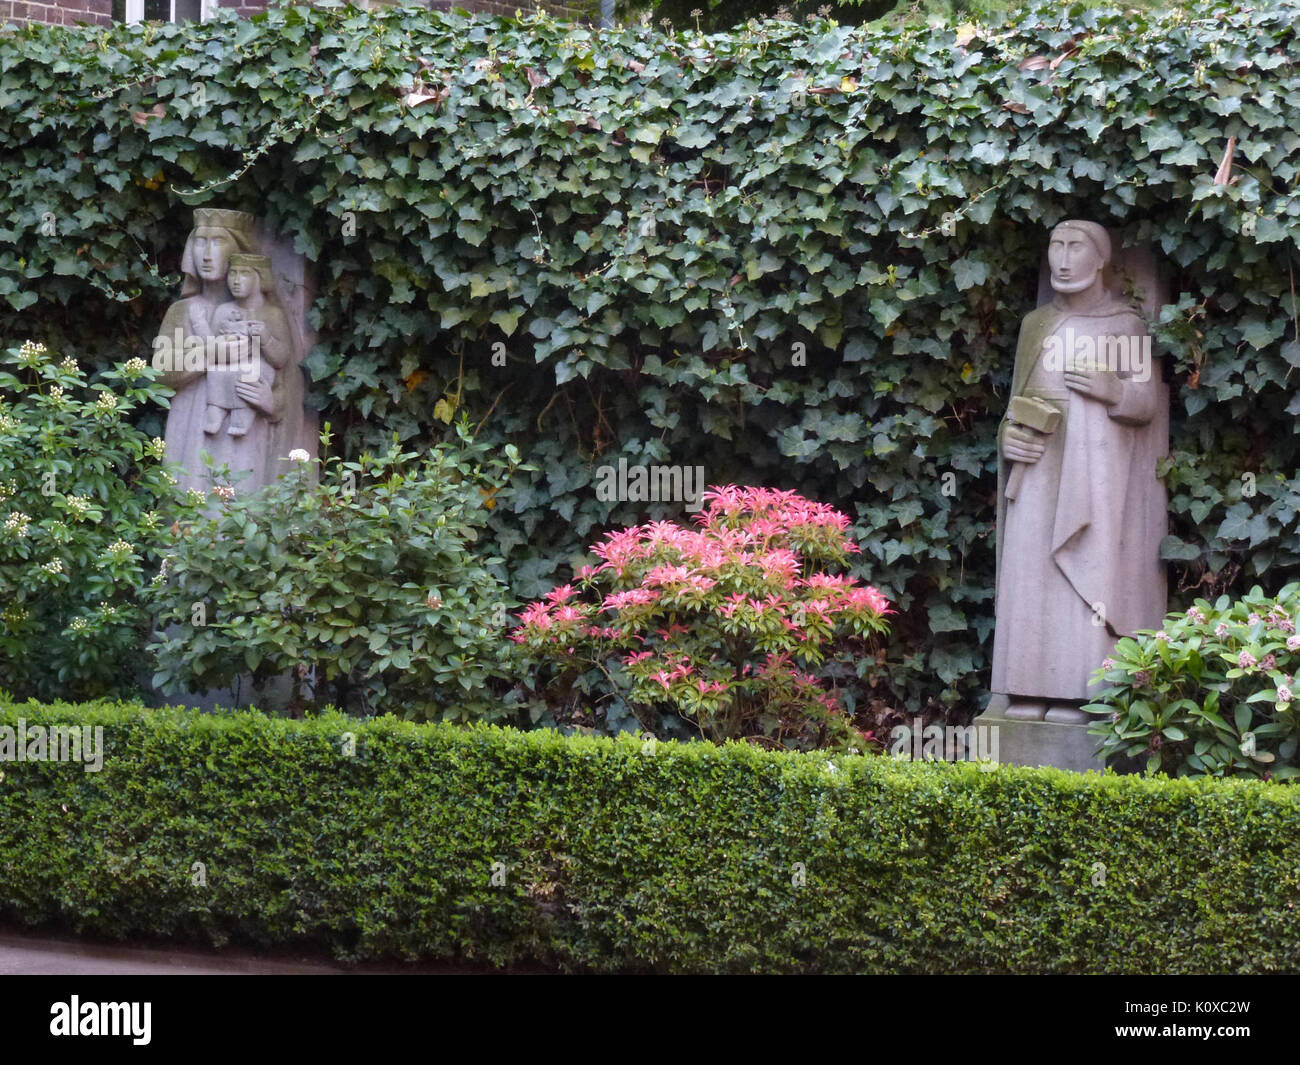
(1022, 445)
(1101, 385)
(256, 394)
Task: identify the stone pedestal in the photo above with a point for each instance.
(1039, 743)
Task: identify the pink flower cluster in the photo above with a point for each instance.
(693, 611)
(768, 511)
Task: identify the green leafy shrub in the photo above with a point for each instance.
(363, 586)
(86, 505)
(436, 841)
(649, 225)
(720, 624)
(1211, 693)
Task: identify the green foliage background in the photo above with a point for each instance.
(507, 202)
(701, 858)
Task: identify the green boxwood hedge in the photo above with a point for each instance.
(611, 244)
(617, 855)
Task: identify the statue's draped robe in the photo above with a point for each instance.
(264, 449)
(1078, 549)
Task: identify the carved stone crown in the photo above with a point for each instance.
(252, 262)
(238, 221)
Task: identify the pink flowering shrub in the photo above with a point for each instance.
(725, 626)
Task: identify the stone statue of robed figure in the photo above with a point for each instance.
(1081, 511)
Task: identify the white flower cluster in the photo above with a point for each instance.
(107, 401)
(193, 496)
(16, 524)
(55, 565)
(224, 492)
(135, 367)
(77, 505)
(77, 624)
(31, 348)
(14, 614)
(121, 550)
(7, 422)
(69, 364)
(56, 391)
(8, 488)
(158, 448)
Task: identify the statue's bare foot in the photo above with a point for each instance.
(1024, 711)
(1066, 714)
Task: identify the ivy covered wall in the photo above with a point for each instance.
(794, 254)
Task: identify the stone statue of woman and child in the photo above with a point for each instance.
(232, 351)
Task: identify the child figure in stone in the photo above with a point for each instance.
(255, 343)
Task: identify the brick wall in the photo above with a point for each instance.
(56, 12)
(68, 12)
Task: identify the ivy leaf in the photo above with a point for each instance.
(1174, 549)
(967, 273)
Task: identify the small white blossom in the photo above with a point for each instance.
(17, 523)
(107, 401)
(298, 455)
(69, 364)
(55, 565)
